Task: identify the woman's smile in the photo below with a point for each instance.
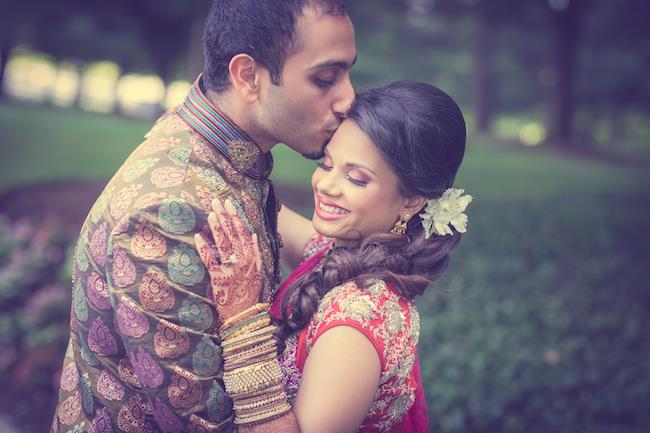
(328, 210)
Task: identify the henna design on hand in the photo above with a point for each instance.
(236, 284)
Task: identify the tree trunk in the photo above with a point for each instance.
(76, 102)
(200, 9)
(561, 104)
(483, 72)
(5, 50)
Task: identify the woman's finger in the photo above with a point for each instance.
(228, 229)
(243, 234)
(207, 253)
(256, 253)
(221, 239)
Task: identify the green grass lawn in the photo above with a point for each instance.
(541, 322)
(42, 144)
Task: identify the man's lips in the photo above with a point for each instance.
(332, 129)
(328, 210)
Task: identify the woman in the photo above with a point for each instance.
(384, 224)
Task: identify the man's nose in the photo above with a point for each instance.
(345, 99)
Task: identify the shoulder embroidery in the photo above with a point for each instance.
(393, 324)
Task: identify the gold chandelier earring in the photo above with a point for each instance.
(400, 226)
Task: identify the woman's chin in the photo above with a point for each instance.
(325, 228)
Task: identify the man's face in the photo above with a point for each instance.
(315, 92)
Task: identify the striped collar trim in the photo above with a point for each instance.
(230, 141)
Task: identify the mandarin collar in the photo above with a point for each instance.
(223, 134)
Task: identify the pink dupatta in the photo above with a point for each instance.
(416, 419)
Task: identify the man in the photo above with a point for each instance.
(143, 356)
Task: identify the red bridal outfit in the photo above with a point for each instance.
(389, 321)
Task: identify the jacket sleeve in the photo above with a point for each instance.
(164, 317)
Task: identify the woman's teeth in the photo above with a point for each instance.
(332, 210)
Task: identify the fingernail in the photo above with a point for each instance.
(230, 207)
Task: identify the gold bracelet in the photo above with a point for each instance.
(267, 331)
(236, 387)
(269, 356)
(248, 346)
(247, 349)
(259, 403)
(264, 416)
(253, 367)
(251, 395)
(243, 414)
(257, 308)
(251, 352)
(236, 331)
(244, 323)
(253, 377)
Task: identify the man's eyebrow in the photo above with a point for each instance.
(336, 64)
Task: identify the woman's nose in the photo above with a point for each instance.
(328, 185)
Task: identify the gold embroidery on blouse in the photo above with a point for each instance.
(379, 311)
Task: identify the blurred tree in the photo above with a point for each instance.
(487, 19)
(13, 26)
(5, 49)
(138, 36)
(616, 59)
(164, 27)
(86, 33)
(566, 17)
(195, 63)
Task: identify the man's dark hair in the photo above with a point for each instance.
(263, 29)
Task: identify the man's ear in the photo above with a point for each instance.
(244, 76)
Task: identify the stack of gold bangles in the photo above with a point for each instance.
(252, 373)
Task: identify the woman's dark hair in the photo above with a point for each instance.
(420, 132)
(263, 29)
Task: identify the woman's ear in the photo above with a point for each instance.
(244, 76)
(413, 205)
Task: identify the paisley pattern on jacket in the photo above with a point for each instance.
(143, 354)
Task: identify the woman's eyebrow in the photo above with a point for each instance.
(355, 165)
(351, 164)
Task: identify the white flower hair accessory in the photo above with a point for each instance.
(446, 210)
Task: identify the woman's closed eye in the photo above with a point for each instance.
(357, 178)
(325, 164)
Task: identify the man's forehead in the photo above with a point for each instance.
(327, 39)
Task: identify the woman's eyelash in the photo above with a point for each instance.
(323, 166)
(356, 181)
(347, 176)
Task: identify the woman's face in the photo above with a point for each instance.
(355, 191)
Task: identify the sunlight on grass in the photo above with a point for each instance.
(98, 86)
(37, 78)
(65, 87)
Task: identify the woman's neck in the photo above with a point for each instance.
(346, 243)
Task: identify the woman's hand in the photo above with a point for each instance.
(232, 258)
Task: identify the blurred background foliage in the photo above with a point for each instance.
(541, 323)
